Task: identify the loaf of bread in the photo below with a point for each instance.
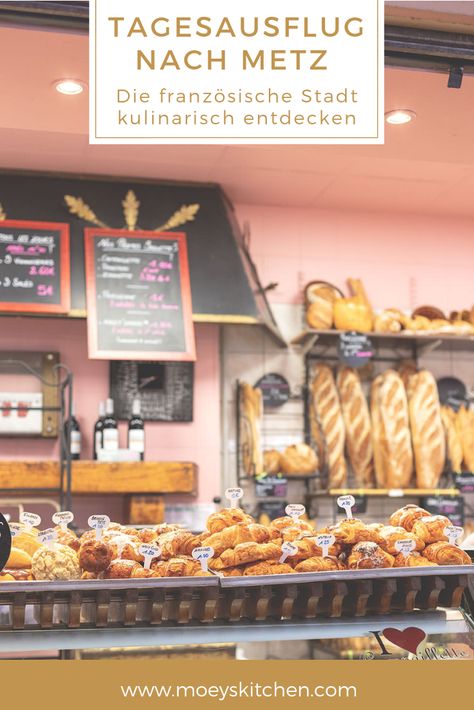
(393, 454)
(251, 412)
(465, 429)
(406, 369)
(453, 439)
(328, 411)
(356, 416)
(317, 436)
(299, 459)
(427, 429)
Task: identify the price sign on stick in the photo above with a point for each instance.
(30, 520)
(63, 519)
(15, 529)
(295, 511)
(203, 555)
(288, 550)
(149, 552)
(453, 533)
(99, 523)
(233, 495)
(347, 503)
(324, 542)
(405, 546)
(48, 537)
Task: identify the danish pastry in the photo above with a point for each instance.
(445, 554)
(368, 555)
(431, 529)
(389, 535)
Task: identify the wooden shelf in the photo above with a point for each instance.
(389, 493)
(92, 477)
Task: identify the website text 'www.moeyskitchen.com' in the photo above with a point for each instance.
(223, 693)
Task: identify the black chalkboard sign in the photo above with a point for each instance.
(138, 296)
(271, 487)
(34, 267)
(464, 482)
(275, 390)
(165, 389)
(355, 349)
(450, 506)
(5, 542)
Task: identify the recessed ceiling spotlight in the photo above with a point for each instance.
(400, 116)
(69, 87)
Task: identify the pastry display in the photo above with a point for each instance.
(328, 411)
(358, 427)
(298, 459)
(428, 436)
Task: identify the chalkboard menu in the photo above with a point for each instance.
(275, 390)
(138, 296)
(450, 506)
(34, 267)
(464, 482)
(355, 349)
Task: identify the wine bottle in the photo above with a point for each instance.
(136, 430)
(72, 434)
(98, 429)
(110, 435)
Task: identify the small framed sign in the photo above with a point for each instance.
(355, 349)
(275, 390)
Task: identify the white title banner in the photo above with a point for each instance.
(309, 71)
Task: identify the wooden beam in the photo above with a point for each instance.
(89, 477)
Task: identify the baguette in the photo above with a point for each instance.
(453, 439)
(251, 410)
(427, 429)
(358, 427)
(328, 411)
(465, 428)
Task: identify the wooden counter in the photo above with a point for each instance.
(92, 477)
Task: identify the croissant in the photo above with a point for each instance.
(163, 528)
(307, 547)
(147, 534)
(244, 553)
(176, 567)
(414, 559)
(268, 567)
(368, 555)
(280, 524)
(350, 531)
(445, 554)
(235, 535)
(389, 535)
(320, 564)
(295, 532)
(233, 571)
(178, 542)
(431, 528)
(227, 517)
(141, 572)
(373, 532)
(407, 516)
(121, 569)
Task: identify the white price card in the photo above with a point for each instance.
(48, 537)
(453, 533)
(295, 511)
(288, 549)
(325, 541)
(99, 523)
(63, 519)
(405, 546)
(203, 555)
(15, 529)
(233, 495)
(149, 552)
(30, 520)
(346, 502)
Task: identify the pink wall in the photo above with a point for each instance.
(197, 441)
(404, 260)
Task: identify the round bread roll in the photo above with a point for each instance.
(19, 559)
(299, 459)
(27, 541)
(271, 461)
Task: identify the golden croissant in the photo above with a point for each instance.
(268, 567)
(320, 564)
(350, 532)
(414, 559)
(307, 547)
(390, 535)
(179, 542)
(443, 553)
(431, 529)
(279, 525)
(227, 517)
(407, 516)
(244, 553)
(176, 567)
(235, 535)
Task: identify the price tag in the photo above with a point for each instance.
(63, 519)
(203, 555)
(233, 495)
(48, 537)
(295, 511)
(15, 529)
(405, 546)
(346, 502)
(288, 550)
(149, 552)
(324, 542)
(30, 520)
(395, 493)
(99, 523)
(453, 533)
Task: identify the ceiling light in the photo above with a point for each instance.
(69, 87)
(400, 116)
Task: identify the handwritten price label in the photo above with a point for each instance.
(99, 523)
(48, 537)
(453, 533)
(233, 495)
(287, 550)
(15, 529)
(63, 519)
(325, 541)
(149, 552)
(405, 546)
(295, 511)
(346, 502)
(30, 520)
(203, 555)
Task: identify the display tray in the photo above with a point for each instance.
(152, 602)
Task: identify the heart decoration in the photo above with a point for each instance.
(409, 639)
